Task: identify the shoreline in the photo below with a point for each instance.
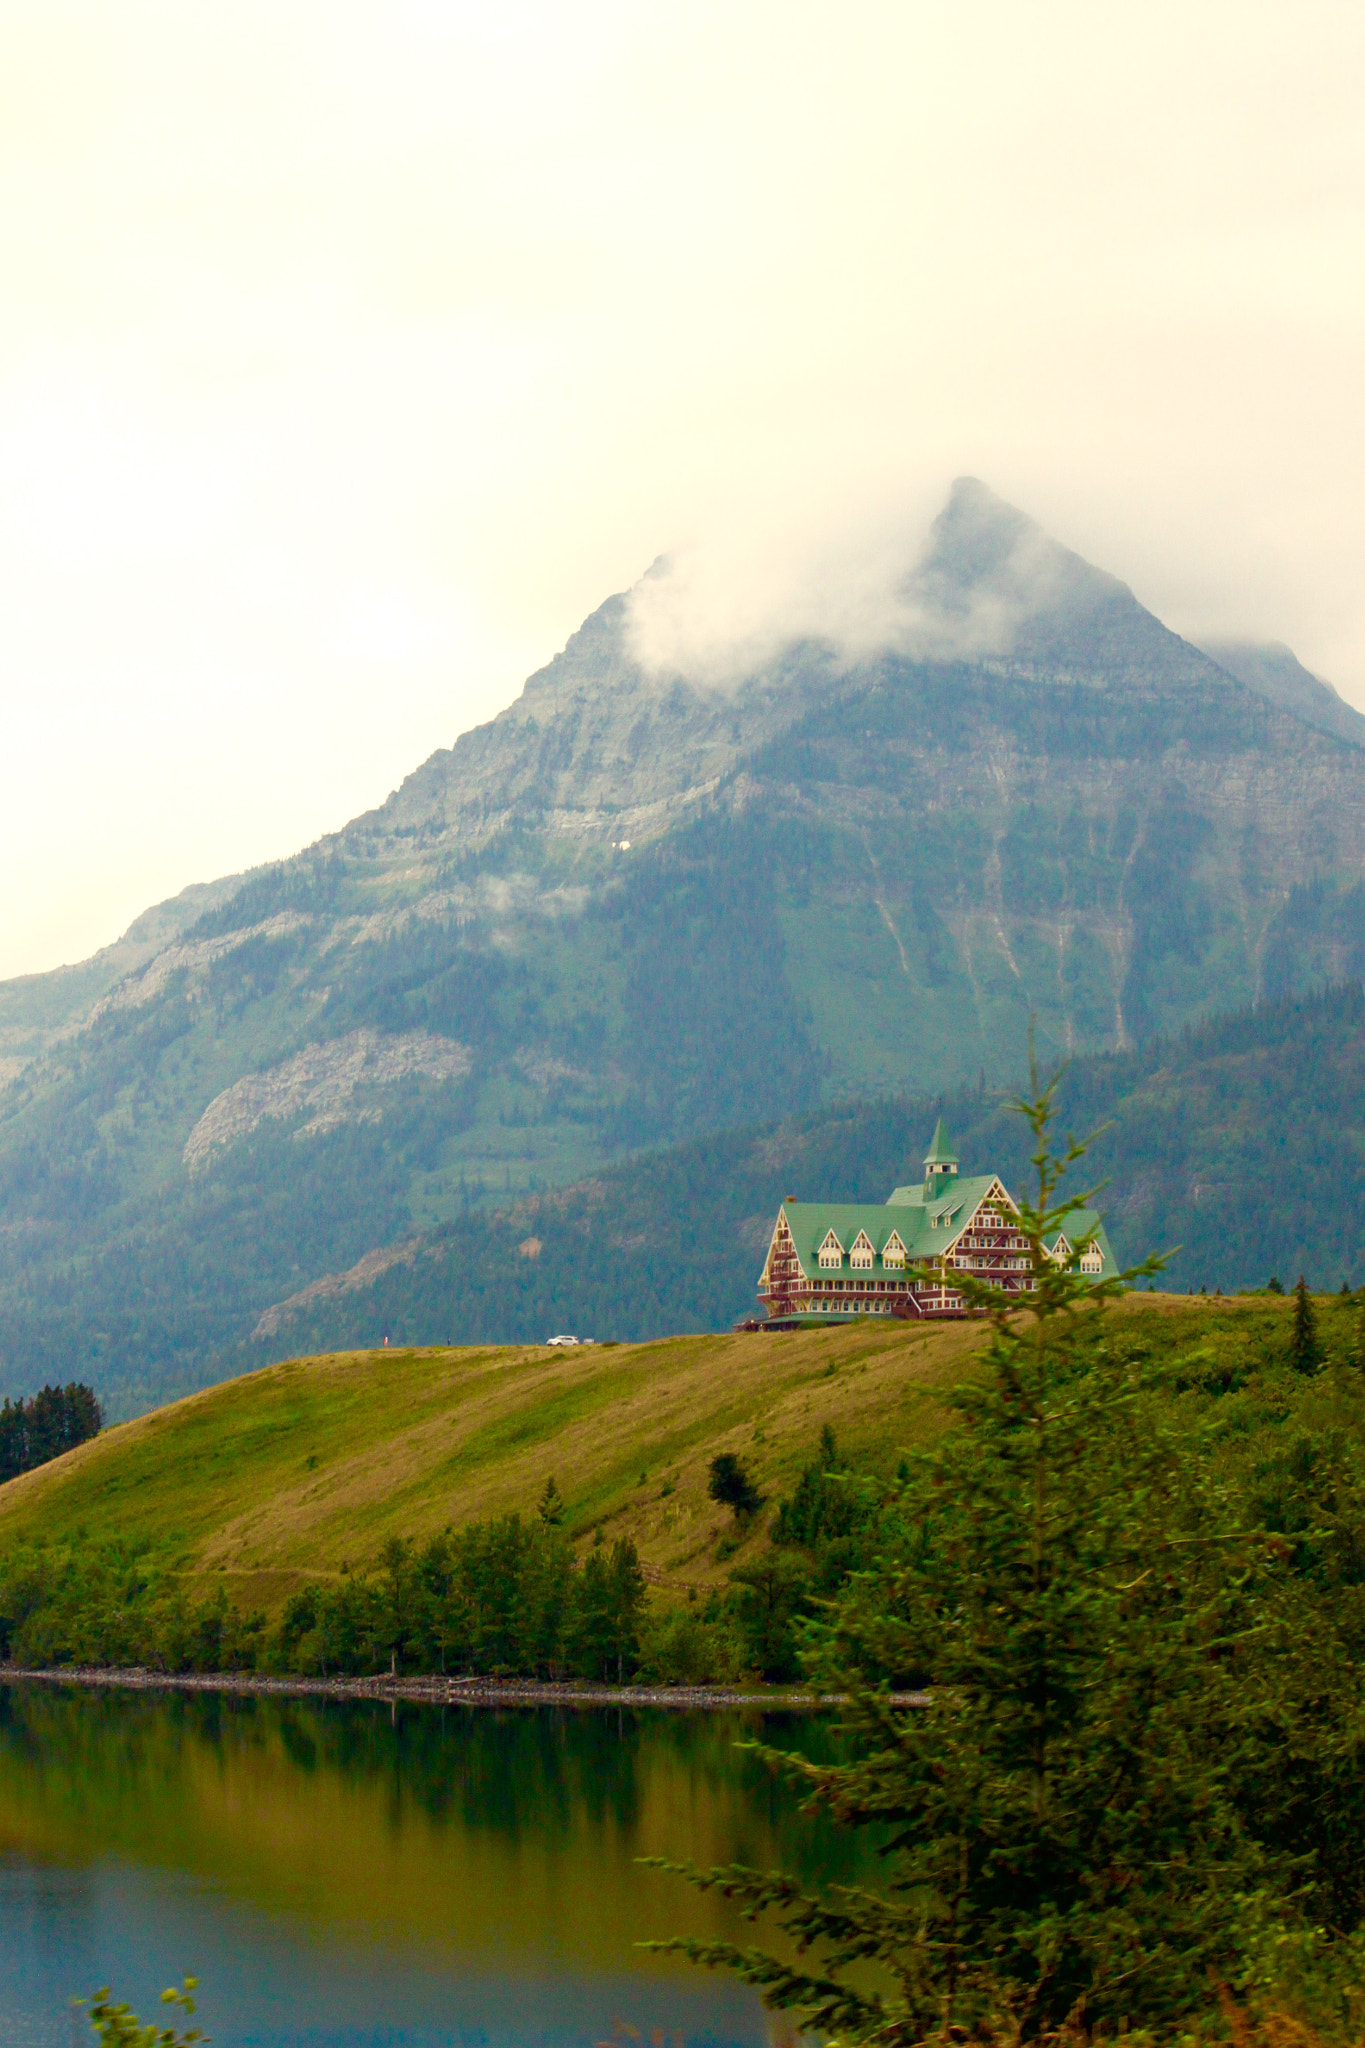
(435, 1691)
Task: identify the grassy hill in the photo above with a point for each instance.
(299, 1470)
(294, 1471)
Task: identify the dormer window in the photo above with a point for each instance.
(861, 1256)
(831, 1253)
(893, 1251)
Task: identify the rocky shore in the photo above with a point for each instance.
(436, 1691)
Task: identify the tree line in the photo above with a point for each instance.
(500, 1598)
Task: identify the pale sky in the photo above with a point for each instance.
(351, 353)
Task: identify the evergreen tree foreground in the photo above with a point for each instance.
(1126, 1803)
(1305, 1354)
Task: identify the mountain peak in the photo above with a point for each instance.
(993, 584)
(981, 549)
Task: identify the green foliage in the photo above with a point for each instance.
(501, 1598)
(117, 2026)
(826, 1530)
(826, 1506)
(1136, 1600)
(693, 1644)
(774, 1590)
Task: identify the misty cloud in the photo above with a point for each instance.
(983, 582)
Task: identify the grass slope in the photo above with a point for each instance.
(290, 1472)
(299, 1469)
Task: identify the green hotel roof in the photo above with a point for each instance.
(924, 1226)
(926, 1221)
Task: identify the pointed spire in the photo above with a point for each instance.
(940, 1153)
(940, 1161)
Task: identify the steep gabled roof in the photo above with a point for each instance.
(1076, 1226)
(811, 1222)
(924, 1228)
(955, 1191)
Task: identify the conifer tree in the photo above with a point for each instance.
(627, 1582)
(730, 1484)
(1305, 1354)
(1063, 1840)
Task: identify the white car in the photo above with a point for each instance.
(566, 1339)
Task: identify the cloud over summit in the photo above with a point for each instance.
(985, 583)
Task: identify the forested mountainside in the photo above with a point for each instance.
(634, 909)
(1238, 1147)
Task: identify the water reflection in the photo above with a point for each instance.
(347, 1872)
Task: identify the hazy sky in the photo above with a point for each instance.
(350, 354)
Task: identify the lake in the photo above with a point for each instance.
(347, 1872)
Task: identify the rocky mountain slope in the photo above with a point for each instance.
(1275, 672)
(638, 906)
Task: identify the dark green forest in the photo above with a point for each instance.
(1241, 1143)
(501, 1598)
(55, 1420)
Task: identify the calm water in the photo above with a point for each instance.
(345, 1873)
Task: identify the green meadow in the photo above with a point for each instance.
(265, 1481)
(292, 1473)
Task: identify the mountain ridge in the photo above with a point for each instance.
(1275, 672)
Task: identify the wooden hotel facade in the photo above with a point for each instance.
(828, 1261)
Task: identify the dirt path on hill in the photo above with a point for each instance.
(445, 1692)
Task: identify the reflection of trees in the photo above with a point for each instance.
(108, 1763)
(511, 1772)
